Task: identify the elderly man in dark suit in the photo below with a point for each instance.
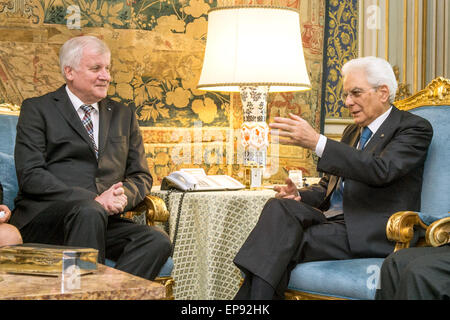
(80, 162)
(373, 172)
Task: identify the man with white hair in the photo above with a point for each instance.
(80, 162)
(375, 171)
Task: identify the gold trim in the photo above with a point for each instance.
(445, 39)
(168, 283)
(241, 84)
(300, 295)
(400, 228)
(362, 30)
(386, 41)
(405, 39)
(438, 233)
(254, 6)
(340, 121)
(416, 45)
(424, 41)
(9, 108)
(436, 93)
(377, 32)
(436, 40)
(155, 210)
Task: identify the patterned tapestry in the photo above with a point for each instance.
(157, 52)
(341, 38)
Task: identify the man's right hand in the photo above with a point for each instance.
(114, 199)
(289, 191)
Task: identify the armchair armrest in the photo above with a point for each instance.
(154, 208)
(438, 233)
(400, 228)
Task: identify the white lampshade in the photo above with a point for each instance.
(254, 46)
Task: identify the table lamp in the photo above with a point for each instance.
(254, 50)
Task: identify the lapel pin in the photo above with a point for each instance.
(382, 135)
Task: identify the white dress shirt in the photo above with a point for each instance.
(77, 103)
(373, 126)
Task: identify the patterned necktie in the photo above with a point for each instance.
(87, 122)
(365, 136)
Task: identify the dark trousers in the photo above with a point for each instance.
(416, 273)
(288, 232)
(137, 249)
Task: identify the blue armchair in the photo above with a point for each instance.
(152, 210)
(358, 278)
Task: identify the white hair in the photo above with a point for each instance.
(378, 71)
(72, 50)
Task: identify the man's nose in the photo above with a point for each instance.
(105, 75)
(349, 101)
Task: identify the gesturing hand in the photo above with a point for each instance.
(289, 191)
(296, 131)
(114, 199)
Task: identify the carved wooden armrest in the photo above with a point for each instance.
(438, 233)
(400, 228)
(154, 208)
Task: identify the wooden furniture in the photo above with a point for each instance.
(106, 284)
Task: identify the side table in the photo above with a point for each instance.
(211, 228)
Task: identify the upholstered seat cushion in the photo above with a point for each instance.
(8, 179)
(8, 172)
(165, 271)
(348, 279)
(8, 125)
(430, 218)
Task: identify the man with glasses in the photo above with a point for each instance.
(374, 171)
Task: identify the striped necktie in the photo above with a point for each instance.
(87, 122)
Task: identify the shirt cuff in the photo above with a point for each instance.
(320, 146)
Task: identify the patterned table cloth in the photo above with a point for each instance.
(212, 226)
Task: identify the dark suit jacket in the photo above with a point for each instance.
(55, 158)
(380, 180)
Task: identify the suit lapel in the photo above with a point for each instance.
(106, 111)
(67, 110)
(331, 184)
(385, 129)
(352, 141)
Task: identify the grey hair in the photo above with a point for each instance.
(72, 50)
(378, 71)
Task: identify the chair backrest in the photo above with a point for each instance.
(8, 178)
(433, 104)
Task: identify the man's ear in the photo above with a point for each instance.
(68, 71)
(384, 93)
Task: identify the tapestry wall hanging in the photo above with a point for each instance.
(157, 53)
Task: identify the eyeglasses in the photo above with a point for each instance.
(355, 93)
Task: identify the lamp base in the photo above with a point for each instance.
(254, 129)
